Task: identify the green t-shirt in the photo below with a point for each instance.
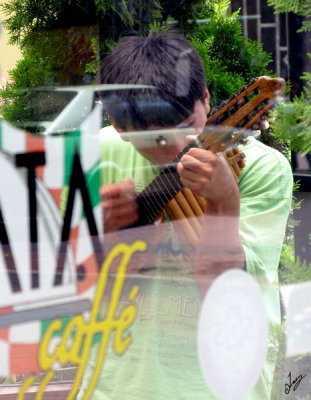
(162, 362)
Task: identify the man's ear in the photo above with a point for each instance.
(206, 101)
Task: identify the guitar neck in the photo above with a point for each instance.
(241, 111)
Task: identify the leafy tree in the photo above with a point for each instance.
(292, 122)
(299, 7)
(26, 18)
(230, 58)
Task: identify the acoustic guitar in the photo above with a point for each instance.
(226, 128)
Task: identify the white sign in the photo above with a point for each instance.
(232, 335)
(297, 301)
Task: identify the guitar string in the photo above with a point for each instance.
(152, 210)
(146, 194)
(144, 207)
(152, 194)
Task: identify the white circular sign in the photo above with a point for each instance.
(232, 335)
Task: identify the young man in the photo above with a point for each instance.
(243, 226)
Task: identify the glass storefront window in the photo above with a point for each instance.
(149, 243)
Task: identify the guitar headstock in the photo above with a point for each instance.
(243, 109)
(241, 112)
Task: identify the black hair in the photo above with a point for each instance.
(167, 63)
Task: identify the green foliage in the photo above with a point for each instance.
(299, 7)
(212, 8)
(26, 17)
(221, 82)
(230, 59)
(92, 66)
(52, 28)
(292, 123)
(223, 39)
(29, 72)
(53, 58)
(295, 6)
(294, 270)
(159, 27)
(307, 77)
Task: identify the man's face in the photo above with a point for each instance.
(160, 155)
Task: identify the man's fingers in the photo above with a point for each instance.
(193, 177)
(189, 165)
(199, 170)
(112, 225)
(119, 211)
(116, 217)
(123, 189)
(119, 205)
(188, 138)
(118, 202)
(194, 157)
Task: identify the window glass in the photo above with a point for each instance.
(150, 243)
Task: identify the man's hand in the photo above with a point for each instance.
(119, 205)
(209, 175)
(219, 248)
(120, 211)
